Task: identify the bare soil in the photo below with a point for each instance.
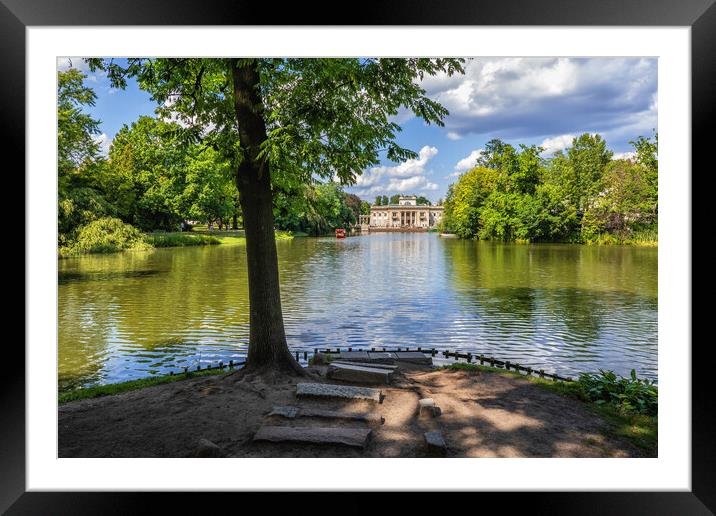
(484, 414)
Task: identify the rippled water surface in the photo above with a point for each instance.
(562, 308)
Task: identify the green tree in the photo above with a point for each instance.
(384, 200)
(465, 201)
(146, 176)
(647, 157)
(394, 199)
(498, 155)
(79, 167)
(209, 191)
(586, 160)
(365, 208)
(275, 118)
(75, 144)
(378, 201)
(423, 201)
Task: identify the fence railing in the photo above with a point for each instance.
(468, 357)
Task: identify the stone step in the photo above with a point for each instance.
(376, 365)
(357, 437)
(435, 443)
(414, 357)
(327, 390)
(358, 374)
(294, 412)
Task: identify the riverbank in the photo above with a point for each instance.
(149, 241)
(485, 413)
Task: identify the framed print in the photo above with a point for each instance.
(251, 242)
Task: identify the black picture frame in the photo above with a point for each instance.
(699, 15)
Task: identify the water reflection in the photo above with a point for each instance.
(557, 307)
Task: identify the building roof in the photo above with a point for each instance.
(404, 206)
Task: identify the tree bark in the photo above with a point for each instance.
(268, 348)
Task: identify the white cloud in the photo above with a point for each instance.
(468, 162)
(526, 97)
(406, 177)
(556, 144)
(451, 135)
(104, 143)
(630, 155)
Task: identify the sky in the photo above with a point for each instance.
(540, 101)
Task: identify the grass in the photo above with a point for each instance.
(131, 385)
(639, 429)
(179, 239)
(646, 237)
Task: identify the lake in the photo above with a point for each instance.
(562, 308)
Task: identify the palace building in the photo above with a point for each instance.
(407, 215)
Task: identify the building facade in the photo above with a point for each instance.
(407, 215)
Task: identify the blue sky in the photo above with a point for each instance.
(542, 101)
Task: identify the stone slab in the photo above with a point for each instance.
(294, 412)
(357, 437)
(327, 390)
(383, 356)
(435, 443)
(414, 357)
(358, 374)
(353, 355)
(369, 363)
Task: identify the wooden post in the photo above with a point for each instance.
(305, 355)
(221, 365)
(541, 373)
(469, 358)
(507, 365)
(482, 359)
(296, 356)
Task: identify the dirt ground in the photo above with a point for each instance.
(484, 414)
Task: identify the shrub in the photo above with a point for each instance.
(106, 235)
(628, 395)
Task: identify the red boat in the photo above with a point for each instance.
(340, 233)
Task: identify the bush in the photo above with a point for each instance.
(628, 395)
(105, 235)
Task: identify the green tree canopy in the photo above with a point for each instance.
(285, 121)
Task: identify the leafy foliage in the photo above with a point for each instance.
(631, 394)
(106, 235)
(581, 195)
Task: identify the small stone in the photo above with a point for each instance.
(287, 412)
(206, 448)
(428, 406)
(436, 444)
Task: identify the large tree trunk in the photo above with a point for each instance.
(267, 339)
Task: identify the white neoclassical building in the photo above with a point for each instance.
(406, 215)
